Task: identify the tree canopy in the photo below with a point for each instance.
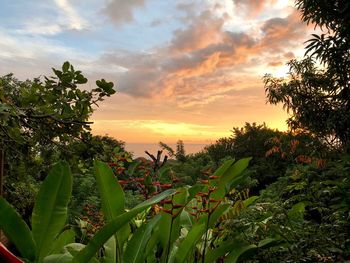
(317, 90)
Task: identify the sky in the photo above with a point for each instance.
(183, 69)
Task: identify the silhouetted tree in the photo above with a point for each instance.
(319, 96)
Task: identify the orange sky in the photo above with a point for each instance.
(183, 69)
(208, 78)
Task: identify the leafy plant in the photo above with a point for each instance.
(177, 225)
(48, 218)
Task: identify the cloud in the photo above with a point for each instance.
(202, 32)
(75, 21)
(121, 11)
(20, 52)
(53, 19)
(281, 32)
(203, 60)
(253, 8)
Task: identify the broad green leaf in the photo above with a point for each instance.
(65, 66)
(50, 209)
(193, 190)
(218, 212)
(186, 219)
(110, 255)
(213, 254)
(112, 198)
(16, 230)
(241, 252)
(163, 230)
(296, 213)
(234, 171)
(59, 258)
(112, 227)
(224, 167)
(269, 242)
(167, 222)
(112, 195)
(63, 239)
(74, 248)
(250, 200)
(151, 245)
(189, 242)
(231, 178)
(135, 249)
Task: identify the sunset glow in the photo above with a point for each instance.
(189, 70)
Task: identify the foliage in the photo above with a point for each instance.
(42, 121)
(48, 218)
(319, 97)
(51, 110)
(181, 228)
(307, 210)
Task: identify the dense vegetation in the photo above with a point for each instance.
(260, 195)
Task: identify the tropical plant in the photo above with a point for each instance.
(182, 227)
(49, 217)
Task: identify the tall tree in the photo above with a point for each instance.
(317, 91)
(180, 151)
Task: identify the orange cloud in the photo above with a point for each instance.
(203, 31)
(207, 69)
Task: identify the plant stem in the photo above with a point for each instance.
(206, 230)
(169, 241)
(171, 230)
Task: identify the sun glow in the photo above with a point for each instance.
(156, 130)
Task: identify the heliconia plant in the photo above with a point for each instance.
(178, 226)
(48, 218)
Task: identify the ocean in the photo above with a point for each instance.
(138, 149)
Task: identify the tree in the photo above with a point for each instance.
(42, 117)
(53, 110)
(317, 91)
(180, 151)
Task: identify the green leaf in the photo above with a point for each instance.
(269, 242)
(241, 252)
(234, 171)
(73, 248)
(185, 219)
(112, 227)
(231, 178)
(110, 251)
(296, 213)
(224, 167)
(163, 171)
(16, 230)
(112, 195)
(65, 238)
(59, 258)
(189, 242)
(250, 200)
(213, 254)
(218, 212)
(65, 66)
(135, 249)
(112, 198)
(50, 209)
